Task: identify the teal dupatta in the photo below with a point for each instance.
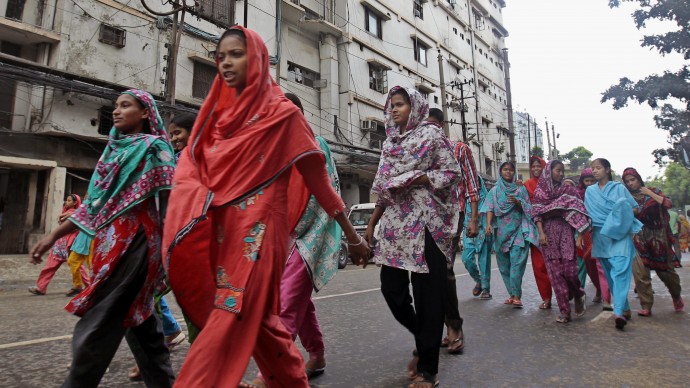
(318, 235)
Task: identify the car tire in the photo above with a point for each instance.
(342, 256)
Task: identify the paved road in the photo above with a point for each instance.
(367, 348)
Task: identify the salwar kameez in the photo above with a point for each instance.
(511, 265)
(476, 256)
(561, 262)
(541, 275)
(614, 224)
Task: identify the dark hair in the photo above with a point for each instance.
(232, 32)
(533, 159)
(295, 100)
(184, 121)
(555, 163)
(437, 114)
(401, 92)
(74, 197)
(504, 163)
(606, 164)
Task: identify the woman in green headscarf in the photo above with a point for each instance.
(123, 215)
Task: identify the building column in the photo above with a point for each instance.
(329, 98)
(55, 197)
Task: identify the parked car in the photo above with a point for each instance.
(359, 217)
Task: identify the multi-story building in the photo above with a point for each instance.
(63, 62)
(528, 134)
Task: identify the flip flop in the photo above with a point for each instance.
(508, 301)
(458, 349)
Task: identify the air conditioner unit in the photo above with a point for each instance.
(320, 83)
(368, 125)
(417, 13)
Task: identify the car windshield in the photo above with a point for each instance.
(360, 217)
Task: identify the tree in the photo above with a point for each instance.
(661, 92)
(677, 185)
(578, 157)
(537, 151)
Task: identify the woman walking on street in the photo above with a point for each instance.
(121, 212)
(610, 206)
(559, 213)
(418, 206)
(592, 266)
(654, 243)
(79, 261)
(514, 230)
(60, 251)
(244, 180)
(476, 254)
(541, 275)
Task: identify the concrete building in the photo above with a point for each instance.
(528, 134)
(62, 63)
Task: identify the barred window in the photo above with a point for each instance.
(112, 35)
(302, 75)
(105, 120)
(202, 79)
(378, 78)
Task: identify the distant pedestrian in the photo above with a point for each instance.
(122, 215)
(508, 219)
(60, 250)
(674, 223)
(541, 275)
(592, 266)
(468, 189)
(476, 253)
(684, 234)
(79, 261)
(653, 243)
(179, 130)
(419, 208)
(560, 213)
(610, 206)
(244, 181)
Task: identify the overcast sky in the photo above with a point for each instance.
(563, 55)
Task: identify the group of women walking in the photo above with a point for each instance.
(244, 222)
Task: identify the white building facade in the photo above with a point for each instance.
(528, 134)
(63, 62)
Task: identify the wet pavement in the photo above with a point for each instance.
(366, 347)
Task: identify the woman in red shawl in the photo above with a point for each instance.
(536, 166)
(654, 243)
(60, 251)
(240, 188)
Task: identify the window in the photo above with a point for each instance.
(420, 52)
(372, 23)
(105, 120)
(424, 94)
(112, 35)
(302, 75)
(10, 48)
(202, 79)
(418, 8)
(488, 167)
(15, 9)
(378, 78)
(376, 138)
(435, 100)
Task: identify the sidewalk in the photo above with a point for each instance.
(17, 272)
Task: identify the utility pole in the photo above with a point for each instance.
(511, 128)
(443, 97)
(529, 142)
(529, 127)
(555, 150)
(463, 106)
(548, 140)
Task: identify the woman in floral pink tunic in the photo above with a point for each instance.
(418, 207)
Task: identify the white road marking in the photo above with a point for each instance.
(35, 341)
(602, 315)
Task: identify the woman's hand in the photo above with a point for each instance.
(489, 230)
(580, 241)
(369, 235)
(40, 248)
(543, 239)
(359, 251)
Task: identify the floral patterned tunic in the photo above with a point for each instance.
(421, 150)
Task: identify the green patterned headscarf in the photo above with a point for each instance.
(131, 169)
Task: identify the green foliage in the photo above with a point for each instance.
(538, 151)
(578, 158)
(659, 91)
(677, 184)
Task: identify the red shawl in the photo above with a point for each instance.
(531, 184)
(239, 145)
